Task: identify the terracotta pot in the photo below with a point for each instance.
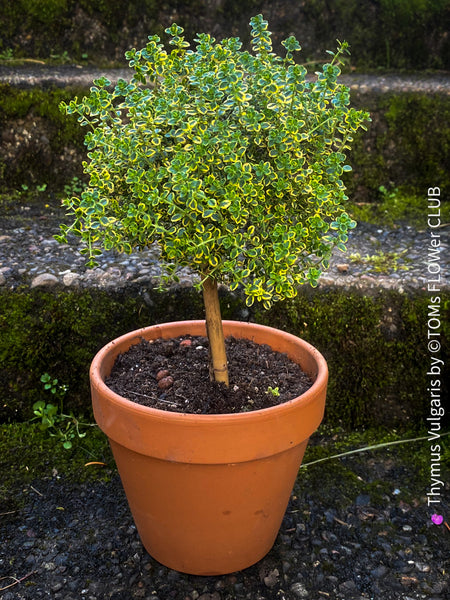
(208, 492)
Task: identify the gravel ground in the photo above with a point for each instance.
(357, 527)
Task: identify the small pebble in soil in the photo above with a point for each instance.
(165, 383)
(161, 374)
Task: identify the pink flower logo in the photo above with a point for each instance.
(437, 519)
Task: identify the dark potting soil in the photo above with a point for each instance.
(173, 375)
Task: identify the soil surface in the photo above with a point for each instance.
(174, 375)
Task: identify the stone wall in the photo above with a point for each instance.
(375, 344)
(395, 34)
(405, 145)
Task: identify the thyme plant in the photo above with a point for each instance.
(230, 160)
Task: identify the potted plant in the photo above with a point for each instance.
(231, 161)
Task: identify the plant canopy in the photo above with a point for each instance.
(230, 160)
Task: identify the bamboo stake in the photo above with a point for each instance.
(218, 359)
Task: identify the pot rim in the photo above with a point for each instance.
(320, 378)
(218, 438)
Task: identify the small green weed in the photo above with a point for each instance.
(274, 391)
(7, 54)
(74, 187)
(381, 262)
(52, 417)
(39, 188)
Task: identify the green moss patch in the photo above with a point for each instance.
(40, 145)
(60, 332)
(29, 455)
(376, 347)
(406, 147)
(396, 206)
(395, 34)
(409, 34)
(418, 119)
(72, 28)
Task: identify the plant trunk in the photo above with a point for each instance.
(218, 366)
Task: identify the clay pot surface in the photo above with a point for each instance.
(208, 492)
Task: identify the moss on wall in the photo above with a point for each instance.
(38, 143)
(395, 207)
(40, 29)
(421, 122)
(60, 332)
(390, 33)
(375, 346)
(395, 34)
(376, 349)
(407, 145)
(17, 103)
